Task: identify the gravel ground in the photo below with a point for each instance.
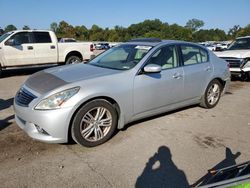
(171, 150)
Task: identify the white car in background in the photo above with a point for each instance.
(238, 56)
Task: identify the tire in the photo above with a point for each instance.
(73, 60)
(212, 94)
(90, 128)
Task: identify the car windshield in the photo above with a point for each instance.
(240, 44)
(123, 57)
(4, 36)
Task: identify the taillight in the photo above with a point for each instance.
(91, 47)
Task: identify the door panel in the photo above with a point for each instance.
(156, 90)
(45, 49)
(20, 52)
(44, 53)
(197, 70)
(196, 79)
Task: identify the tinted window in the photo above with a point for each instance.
(193, 55)
(21, 38)
(166, 57)
(42, 37)
(240, 44)
(4, 36)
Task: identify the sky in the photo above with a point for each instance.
(39, 14)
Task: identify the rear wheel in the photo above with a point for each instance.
(212, 94)
(73, 60)
(1, 71)
(94, 123)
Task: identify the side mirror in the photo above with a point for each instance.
(9, 42)
(152, 68)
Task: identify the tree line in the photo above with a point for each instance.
(192, 31)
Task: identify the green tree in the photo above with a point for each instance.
(194, 24)
(96, 33)
(65, 30)
(140, 29)
(26, 27)
(210, 35)
(53, 27)
(81, 32)
(244, 31)
(9, 28)
(233, 31)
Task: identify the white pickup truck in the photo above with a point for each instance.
(39, 47)
(238, 57)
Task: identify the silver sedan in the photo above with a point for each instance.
(137, 79)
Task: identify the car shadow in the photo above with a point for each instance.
(6, 122)
(4, 104)
(127, 126)
(160, 171)
(228, 161)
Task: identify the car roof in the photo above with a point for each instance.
(30, 30)
(243, 37)
(147, 43)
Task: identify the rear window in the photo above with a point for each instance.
(193, 55)
(42, 37)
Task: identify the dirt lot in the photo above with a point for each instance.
(171, 150)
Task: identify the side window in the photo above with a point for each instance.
(193, 55)
(42, 37)
(21, 38)
(166, 57)
(204, 55)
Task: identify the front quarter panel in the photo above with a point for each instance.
(118, 87)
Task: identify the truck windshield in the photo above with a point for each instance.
(240, 44)
(123, 57)
(4, 36)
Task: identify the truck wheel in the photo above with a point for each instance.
(73, 60)
(212, 94)
(94, 123)
(0, 71)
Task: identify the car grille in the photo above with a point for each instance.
(234, 62)
(24, 97)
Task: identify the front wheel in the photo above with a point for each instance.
(212, 94)
(94, 123)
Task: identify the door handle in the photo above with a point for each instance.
(208, 68)
(177, 76)
(30, 47)
(52, 47)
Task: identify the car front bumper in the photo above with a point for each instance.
(48, 126)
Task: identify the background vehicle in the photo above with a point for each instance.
(38, 47)
(238, 57)
(132, 81)
(102, 46)
(67, 40)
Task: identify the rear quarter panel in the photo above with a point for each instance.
(82, 47)
(220, 67)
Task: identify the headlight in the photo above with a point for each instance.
(247, 64)
(55, 101)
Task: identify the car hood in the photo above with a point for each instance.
(53, 78)
(234, 53)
